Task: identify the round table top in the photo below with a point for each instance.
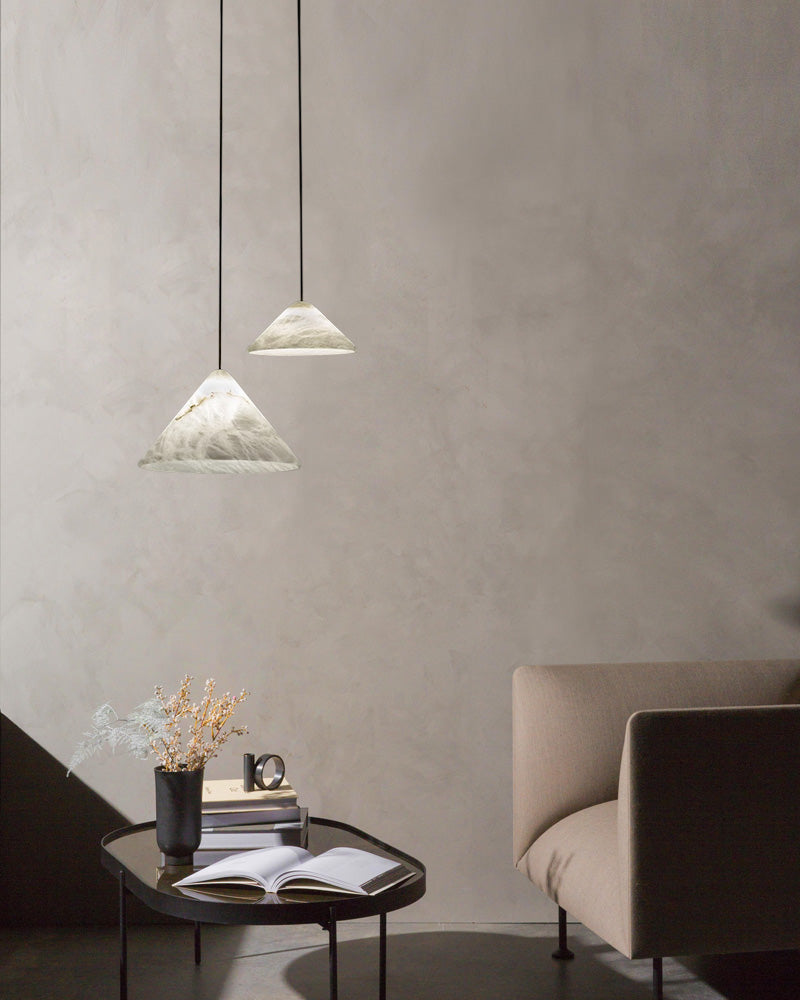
(133, 853)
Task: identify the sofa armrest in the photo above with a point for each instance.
(569, 724)
(709, 830)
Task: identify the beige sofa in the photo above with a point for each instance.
(659, 803)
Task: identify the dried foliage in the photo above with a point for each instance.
(157, 727)
(206, 728)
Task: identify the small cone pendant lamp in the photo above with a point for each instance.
(301, 328)
(219, 428)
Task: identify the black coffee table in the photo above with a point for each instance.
(132, 857)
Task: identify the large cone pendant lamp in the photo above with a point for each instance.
(301, 328)
(219, 428)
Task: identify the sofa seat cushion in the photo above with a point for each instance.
(576, 864)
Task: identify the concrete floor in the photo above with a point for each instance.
(425, 961)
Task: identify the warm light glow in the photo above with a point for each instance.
(220, 429)
(301, 329)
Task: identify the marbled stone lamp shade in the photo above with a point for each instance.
(220, 429)
(302, 329)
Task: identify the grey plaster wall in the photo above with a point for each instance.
(564, 238)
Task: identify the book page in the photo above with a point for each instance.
(262, 866)
(344, 867)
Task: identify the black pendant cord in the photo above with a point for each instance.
(300, 141)
(219, 253)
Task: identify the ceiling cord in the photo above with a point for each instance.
(300, 141)
(219, 255)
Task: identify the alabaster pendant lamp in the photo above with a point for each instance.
(301, 328)
(219, 429)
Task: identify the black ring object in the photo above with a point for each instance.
(277, 777)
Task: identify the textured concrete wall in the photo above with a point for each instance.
(564, 238)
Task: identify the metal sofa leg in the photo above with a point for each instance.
(563, 951)
(658, 979)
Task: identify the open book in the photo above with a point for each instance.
(342, 871)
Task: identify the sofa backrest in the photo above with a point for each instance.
(569, 724)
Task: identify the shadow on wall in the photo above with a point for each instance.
(465, 965)
(786, 611)
(52, 826)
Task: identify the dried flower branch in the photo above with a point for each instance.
(154, 728)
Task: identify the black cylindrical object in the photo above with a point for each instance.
(179, 814)
(249, 772)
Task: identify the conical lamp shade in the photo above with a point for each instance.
(302, 329)
(220, 429)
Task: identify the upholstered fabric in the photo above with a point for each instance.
(576, 864)
(709, 831)
(699, 854)
(569, 724)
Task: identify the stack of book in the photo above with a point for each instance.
(235, 820)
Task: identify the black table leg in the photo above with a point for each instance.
(658, 979)
(197, 944)
(382, 964)
(123, 939)
(332, 957)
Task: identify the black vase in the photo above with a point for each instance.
(179, 814)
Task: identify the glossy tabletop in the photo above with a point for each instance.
(132, 853)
